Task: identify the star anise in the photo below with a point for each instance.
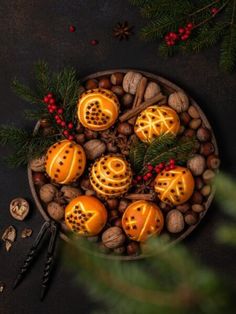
(122, 31)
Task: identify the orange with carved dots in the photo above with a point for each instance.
(141, 220)
(155, 121)
(98, 109)
(65, 161)
(85, 215)
(111, 176)
(175, 186)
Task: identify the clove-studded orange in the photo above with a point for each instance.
(155, 121)
(85, 215)
(65, 161)
(141, 220)
(174, 186)
(98, 109)
(111, 176)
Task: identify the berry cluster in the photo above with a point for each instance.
(155, 170)
(57, 111)
(183, 34)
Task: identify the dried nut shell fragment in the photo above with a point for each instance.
(19, 208)
(2, 286)
(113, 237)
(38, 164)
(26, 233)
(9, 237)
(48, 192)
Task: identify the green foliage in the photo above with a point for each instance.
(137, 151)
(209, 29)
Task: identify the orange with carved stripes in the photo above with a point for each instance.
(141, 220)
(174, 186)
(85, 215)
(98, 109)
(155, 121)
(65, 161)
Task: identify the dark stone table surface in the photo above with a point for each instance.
(37, 29)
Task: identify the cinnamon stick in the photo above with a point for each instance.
(133, 112)
(139, 96)
(144, 197)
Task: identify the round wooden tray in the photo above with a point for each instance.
(167, 87)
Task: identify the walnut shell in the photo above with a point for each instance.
(197, 165)
(131, 81)
(70, 192)
(19, 208)
(38, 164)
(47, 192)
(94, 149)
(178, 101)
(113, 237)
(175, 221)
(55, 211)
(152, 90)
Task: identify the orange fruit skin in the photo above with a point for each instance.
(98, 109)
(142, 220)
(155, 121)
(85, 215)
(110, 176)
(65, 161)
(175, 186)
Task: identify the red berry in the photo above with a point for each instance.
(181, 30)
(161, 165)
(172, 166)
(70, 125)
(190, 25)
(184, 37)
(145, 178)
(59, 121)
(157, 169)
(60, 111)
(56, 117)
(66, 132)
(167, 168)
(149, 175)
(46, 99)
(52, 101)
(172, 161)
(134, 182)
(72, 28)
(49, 95)
(214, 11)
(70, 137)
(139, 178)
(51, 110)
(150, 167)
(167, 37)
(63, 124)
(93, 42)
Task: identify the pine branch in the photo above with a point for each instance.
(25, 93)
(137, 152)
(43, 78)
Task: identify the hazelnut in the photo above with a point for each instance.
(152, 90)
(38, 164)
(120, 250)
(112, 148)
(197, 208)
(69, 192)
(39, 178)
(85, 184)
(193, 112)
(112, 203)
(206, 190)
(175, 221)
(191, 218)
(89, 134)
(195, 124)
(197, 165)
(113, 237)
(123, 205)
(207, 149)
(131, 81)
(133, 248)
(117, 78)
(213, 162)
(125, 128)
(55, 211)
(203, 134)
(47, 192)
(91, 84)
(199, 183)
(196, 198)
(80, 138)
(178, 101)
(94, 149)
(183, 208)
(208, 175)
(127, 100)
(184, 118)
(189, 133)
(118, 90)
(104, 83)
(79, 128)
(19, 208)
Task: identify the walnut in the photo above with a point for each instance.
(94, 149)
(47, 192)
(178, 101)
(113, 237)
(175, 221)
(152, 90)
(197, 165)
(131, 81)
(19, 208)
(70, 192)
(55, 211)
(38, 164)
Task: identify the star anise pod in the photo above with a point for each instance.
(122, 31)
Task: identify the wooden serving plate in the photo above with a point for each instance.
(167, 88)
